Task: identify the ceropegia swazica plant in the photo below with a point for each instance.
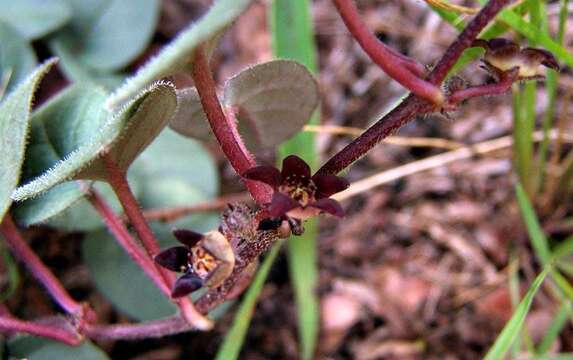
(74, 153)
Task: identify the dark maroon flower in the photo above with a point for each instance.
(503, 55)
(297, 194)
(205, 259)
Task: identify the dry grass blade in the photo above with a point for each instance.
(436, 161)
(442, 4)
(394, 140)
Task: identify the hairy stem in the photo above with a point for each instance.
(149, 329)
(404, 70)
(24, 253)
(117, 178)
(120, 233)
(413, 105)
(224, 127)
(9, 324)
(489, 89)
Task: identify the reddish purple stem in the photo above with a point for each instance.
(150, 329)
(24, 253)
(404, 70)
(414, 105)
(9, 324)
(223, 126)
(116, 227)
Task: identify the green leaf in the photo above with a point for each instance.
(190, 119)
(81, 216)
(47, 205)
(14, 124)
(174, 156)
(107, 35)
(277, 92)
(276, 99)
(513, 327)
(122, 137)
(121, 280)
(176, 57)
(35, 18)
(35, 348)
(63, 47)
(235, 337)
(17, 58)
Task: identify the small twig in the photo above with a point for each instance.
(393, 140)
(500, 87)
(9, 324)
(404, 70)
(34, 264)
(149, 329)
(224, 128)
(171, 214)
(436, 161)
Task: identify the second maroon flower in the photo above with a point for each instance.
(297, 194)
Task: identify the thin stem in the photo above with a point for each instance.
(465, 40)
(125, 240)
(412, 105)
(9, 324)
(404, 70)
(150, 329)
(224, 127)
(118, 180)
(500, 87)
(34, 264)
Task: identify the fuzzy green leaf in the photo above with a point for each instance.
(107, 35)
(122, 137)
(279, 92)
(176, 57)
(17, 58)
(14, 124)
(63, 47)
(35, 18)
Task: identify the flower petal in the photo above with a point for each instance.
(185, 285)
(540, 56)
(264, 173)
(295, 166)
(281, 204)
(174, 258)
(188, 238)
(330, 206)
(327, 185)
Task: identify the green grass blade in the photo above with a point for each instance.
(293, 39)
(564, 249)
(513, 327)
(557, 324)
(551, 85)
(536, 235)
(231, 347)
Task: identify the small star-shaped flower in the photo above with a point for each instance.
(503, 55)
(297, 194)
(205, 259)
